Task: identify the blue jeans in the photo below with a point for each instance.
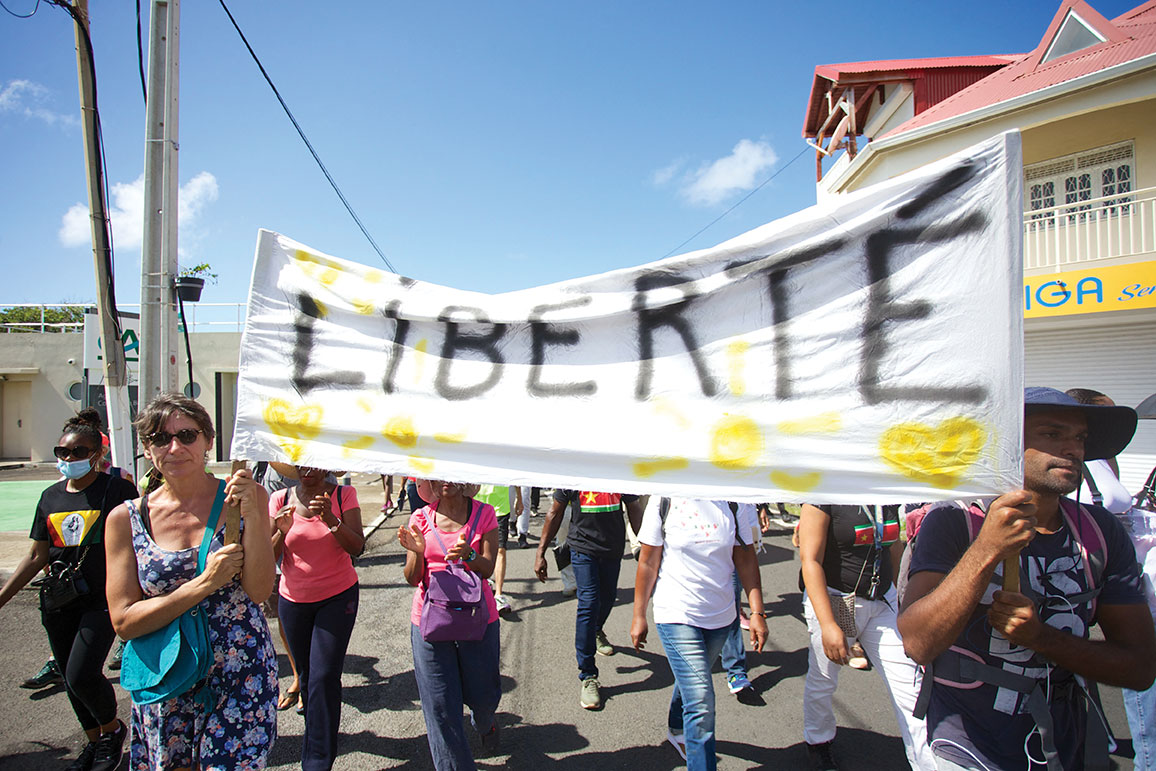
(450, 675)
(734, 650)
(597, 579)
(691, 651)
(318, 636)
(1140, 707)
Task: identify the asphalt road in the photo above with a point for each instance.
(541, 721)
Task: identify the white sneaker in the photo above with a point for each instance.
(678, 741)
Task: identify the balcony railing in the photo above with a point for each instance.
(1122, 225)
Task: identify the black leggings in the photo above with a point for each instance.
(80, 639)
(318, 636)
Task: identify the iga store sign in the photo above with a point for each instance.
(1114, 288)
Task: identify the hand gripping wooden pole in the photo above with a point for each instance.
(233, 512)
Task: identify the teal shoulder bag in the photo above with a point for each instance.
(170, 661)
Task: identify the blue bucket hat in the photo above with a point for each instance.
(1110, 429)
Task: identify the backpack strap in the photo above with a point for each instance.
(1097, 496)
(211, 526)
(472, 521)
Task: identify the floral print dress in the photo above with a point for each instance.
(239, 730)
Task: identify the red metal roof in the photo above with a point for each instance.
(934, 79)
(1128, 37)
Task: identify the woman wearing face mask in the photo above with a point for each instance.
(68, 532)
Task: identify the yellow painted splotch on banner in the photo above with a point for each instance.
(400, 431)
(736, 443)
(939, 455)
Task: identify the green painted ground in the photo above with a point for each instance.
(18, 504)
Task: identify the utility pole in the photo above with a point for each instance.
(158, 371)
(115, 375)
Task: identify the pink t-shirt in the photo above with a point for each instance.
(314, 567)
(435, 558)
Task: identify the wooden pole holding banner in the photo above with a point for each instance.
(1011, 574)
(233, 512)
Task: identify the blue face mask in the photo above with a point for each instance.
(74, 469)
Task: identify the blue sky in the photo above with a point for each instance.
(487, 146)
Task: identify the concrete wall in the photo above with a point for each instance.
(50, 404)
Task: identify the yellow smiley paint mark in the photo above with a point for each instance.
(648, 468)
(804, 482)
(939, 455)
(364, 403)
(294, 449)
(451, 438)
(360, 443)
(288, 421)
(373, 276)
(736, 443)
(419, 359)
(400, 431)
(364, 307)
(664, 406)
(421, 465)
(736, 360)
(823, 423)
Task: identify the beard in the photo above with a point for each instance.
(1052, 483)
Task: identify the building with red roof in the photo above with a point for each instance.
(1084, 101)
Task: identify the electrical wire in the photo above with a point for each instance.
(140, 57)
(35, 8)
(305, 139)
(737, 204)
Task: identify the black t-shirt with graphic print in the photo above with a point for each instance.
(73, 526)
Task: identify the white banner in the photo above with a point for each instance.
(868, 349)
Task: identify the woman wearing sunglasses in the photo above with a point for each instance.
(67, 532)
(229, 719)
(318, 532)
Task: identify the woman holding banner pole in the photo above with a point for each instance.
(228, 719)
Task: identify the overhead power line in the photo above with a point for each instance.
(737, 204)
(305, 139)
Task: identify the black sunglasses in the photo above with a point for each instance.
(80, 452)
(164, 438)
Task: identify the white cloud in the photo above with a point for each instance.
(664, 175)
(29, 99)
(718, 180)
(127, 212)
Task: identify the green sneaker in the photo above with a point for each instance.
(591, 695)
(602, 646)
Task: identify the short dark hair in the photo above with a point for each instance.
(86, 424)
(153, 418)
(1085, 395)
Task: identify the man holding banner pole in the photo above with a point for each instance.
(1011, 673)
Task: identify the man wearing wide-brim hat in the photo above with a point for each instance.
(1012, 673)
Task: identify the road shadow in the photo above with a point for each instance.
(44, 756)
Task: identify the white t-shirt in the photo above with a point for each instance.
(695, 584)
(1116, 497)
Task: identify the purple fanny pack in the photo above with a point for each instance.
(454, 608)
